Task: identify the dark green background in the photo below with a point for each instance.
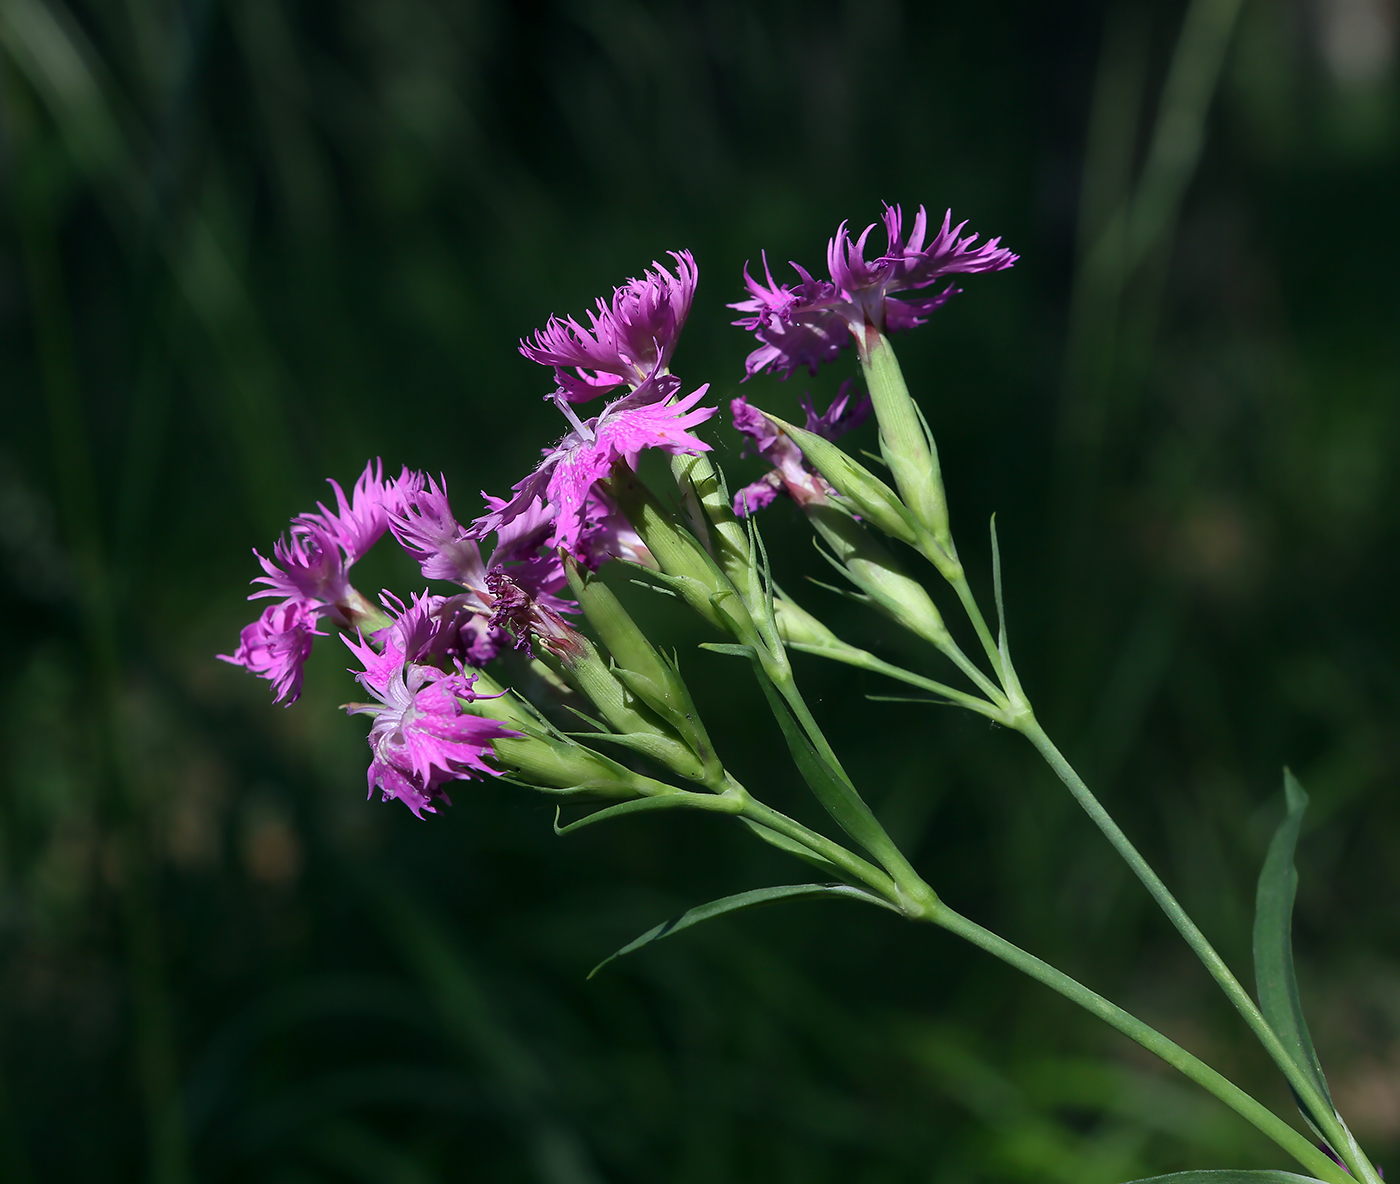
(243, 247)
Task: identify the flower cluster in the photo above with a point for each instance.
(414, 660)
(417, 661)
(808, 323)
(791, 474)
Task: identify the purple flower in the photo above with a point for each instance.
(791, 473)
(421, 737)
(426, 528)
(802, 325)
(625, 342)
(564, 481)
(309, 571)
(313, 561)
(276, 646)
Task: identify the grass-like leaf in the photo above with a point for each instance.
(1274, 976)
(740, 900)
(1229, 1176)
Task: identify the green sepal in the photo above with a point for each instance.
(1229, 1176)
(1274, 975)
(662, 749)
(741, 900)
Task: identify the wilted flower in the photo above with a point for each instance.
(625, 342)
(807, 324)
(791, 473)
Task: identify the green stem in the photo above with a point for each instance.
(1193, 1067)
(1317, 1106)
(864, 660)
(974, 614)
(830, 850)
(951, 650)
(914, 895)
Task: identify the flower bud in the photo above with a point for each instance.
(872, 498)
(691, 572)
(730, 541)
(873, 570)
(546, 760)
(905, 441)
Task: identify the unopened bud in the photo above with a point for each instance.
(874, 571)
(872, 499)
(905, 441)
(542, 758)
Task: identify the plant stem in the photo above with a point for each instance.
(830, 850)
(974, 614)
(1193, 1067)
(1315, 1105)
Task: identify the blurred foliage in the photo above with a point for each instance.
(245, 246)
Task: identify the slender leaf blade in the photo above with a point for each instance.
(1274, 976)
(667, 801)
(732, 904)
(830, 785)
(1229, 1176)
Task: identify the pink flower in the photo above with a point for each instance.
(313, 561)
(426, 528)
(309, 571)
(625, 342)
(422, 738)
(564, 481)
(802, 325)
(276, 646)
(790, 473)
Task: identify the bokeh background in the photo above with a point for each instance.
(245, 246)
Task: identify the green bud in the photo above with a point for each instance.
(874, 571)
(639, 666)
(729, 544)
(634, 724)
(691, 572)
(905, 441)
(542, 758)
(875, 501)
(798, 627)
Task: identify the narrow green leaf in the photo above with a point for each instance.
(741, 900)
(725, 647)
(639, 806)
(792, 847)
(1229, 1176)
(996, 590)
(1274, 976)
(830, 785)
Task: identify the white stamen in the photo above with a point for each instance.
(579, 426)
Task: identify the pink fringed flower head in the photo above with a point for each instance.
(564, 483)
(276, 646)
(422, 737)
(808, 323)
(310, 572)
(790, 473)
(626, 341)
